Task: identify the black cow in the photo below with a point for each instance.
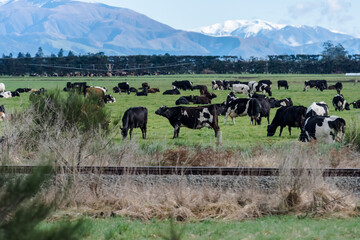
(184, 85)
(191, 117)
(323, 128)
(135, 117)
(116, 89)
(22, 90)
(258, 108)
(172, 92)
(124, 87)
(338, 87)
(220, 108)
(321, 85)
(282, 102)
(356, 104)
(317, 109)
(292, 116)
(144, 92)
(340, 103)
(182, 100)
(283, 83)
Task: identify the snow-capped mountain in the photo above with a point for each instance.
(26, 25)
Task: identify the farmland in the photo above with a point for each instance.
(241, 135)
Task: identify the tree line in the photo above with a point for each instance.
(333, 59)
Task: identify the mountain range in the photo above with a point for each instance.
(26, 25)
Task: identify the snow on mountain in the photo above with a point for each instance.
(85, 28)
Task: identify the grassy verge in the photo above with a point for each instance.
(274, 227)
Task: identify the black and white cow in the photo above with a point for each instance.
(184, 85)
(317, 109)
(258, 108)
(327, 129)
(217, 85)
(9, 94)
(264, 88)
(356, 104)
(190, 117)
(235, 108)
(310, 84)
(108, 98)
(241, 88)
(292, 116)
(124, 87)
(171, 92)
(283, 83)
(282, 102)
(252, 85)
(267, 82)
(135, 117)
(2, 113)
(340, 103)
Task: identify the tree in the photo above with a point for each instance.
(39, 53)
(332, 52)
(20, 55)
(71, 54)
(61, 53)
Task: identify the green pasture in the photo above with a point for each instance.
(240, 135)
(275, 227)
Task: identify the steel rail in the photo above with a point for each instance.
(174, 170)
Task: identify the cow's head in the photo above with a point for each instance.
(109, 99)
(271, 130)
(162, 111)
(347, 106)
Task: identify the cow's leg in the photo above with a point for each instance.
(143, 130)
(176, 131)
(289, 130)
(226, 116)
(233, 120)
(130, 132)
(281, 128)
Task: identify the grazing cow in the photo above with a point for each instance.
(217, 85)
(221, 108)
(108, 98)
(191, 117)
(340, 103)
(282, 102)
(182, 100)
(262, 87)
(23, 90)
(241, 88)
(124, 87)
(184, 85)
(2, 87)
(135, 117)
(267, 82)
(258, 108)
(235, 108)
(283, 83)
(252, 85)
(172, 92)
(356, 104)
(323, 128)
(153, 90)
(2, 113)
(116, 89)
(338, 87)
(292, 116)
(317, 109)
(144, 92)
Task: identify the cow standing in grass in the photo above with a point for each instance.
(135, 117)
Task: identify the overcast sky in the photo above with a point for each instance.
(338, 15)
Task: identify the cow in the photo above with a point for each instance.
(292, 116)
(116, 89)
(282, 102)
(340, 103)
(252, 85)
(153, 90)
(317, 109)
(356, 104)
(241, 88)
(258, 108)
(182, 100)
(108, 98)
(184, 85)
(190, 117)
(338, 87)
(321, 85)
(144, 85)
(124, 87)
(310, 84)
(9, 94)
(132, 89)
(203, 89)
(283, 83)
(2, 87)
(220, 108)
(23, 90)
(267, 82)
(134, 117)
(235, 108)
(230, 97)
(2, 113)
(217, 85)
(144, 92)
(172, 92)
(201, 99)
(262, 87)
(323, 128)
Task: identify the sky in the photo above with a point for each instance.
(337, 15)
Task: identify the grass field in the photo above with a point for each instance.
(275, 227)
(241, 135)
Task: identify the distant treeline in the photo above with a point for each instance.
(102, 65)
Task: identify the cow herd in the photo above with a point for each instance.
(314, 121)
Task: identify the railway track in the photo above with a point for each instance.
(173, 170)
